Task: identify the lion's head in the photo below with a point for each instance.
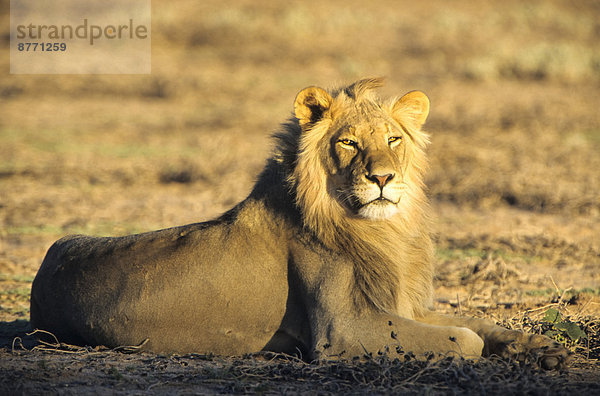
(369, 153)
(355, 165)
(369, 148)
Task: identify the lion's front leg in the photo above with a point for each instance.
(508, 344)
(349, 336)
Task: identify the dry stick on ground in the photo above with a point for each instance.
(20, 341)
(458, 303)
(62, 347)
(129, 349)
(561, 295)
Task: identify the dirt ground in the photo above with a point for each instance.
(514, 178)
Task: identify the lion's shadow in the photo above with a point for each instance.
(14, 335)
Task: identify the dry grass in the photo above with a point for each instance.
(153, 374)
(514, 180)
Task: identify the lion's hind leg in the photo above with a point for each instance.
(520, 346)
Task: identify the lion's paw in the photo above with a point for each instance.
(523, 347)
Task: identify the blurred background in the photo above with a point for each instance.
(515, 126)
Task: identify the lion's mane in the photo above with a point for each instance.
(393, 258)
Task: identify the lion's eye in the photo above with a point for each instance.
(393, 139)
(348, 142)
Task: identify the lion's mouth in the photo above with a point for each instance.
(380, 201)
(356, 204)
(378, 209)
(376, 204)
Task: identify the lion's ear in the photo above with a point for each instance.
(310, 104)
(414, 105)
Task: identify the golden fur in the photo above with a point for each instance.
(330, 255)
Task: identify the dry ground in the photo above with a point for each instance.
(514, 179)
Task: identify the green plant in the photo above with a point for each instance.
(115, 374)
(562, 329)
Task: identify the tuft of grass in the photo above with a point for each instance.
(33, 230)
(64, 141)
(458, 254)
(18, 292)
(550, 61)
(569, 292)
(115, 374)
(592, 136)
(16, 278)
(450, 254)
(15, 301)
(100, 228)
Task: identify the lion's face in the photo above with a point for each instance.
(365, 155)
(368, 158)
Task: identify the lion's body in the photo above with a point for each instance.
(330, 254)
(167, 286)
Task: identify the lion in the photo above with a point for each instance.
(330, 255)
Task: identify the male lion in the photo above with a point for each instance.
(329, 256)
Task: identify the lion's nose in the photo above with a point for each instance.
(381, 180)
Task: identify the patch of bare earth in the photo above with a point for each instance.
(82, 370)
